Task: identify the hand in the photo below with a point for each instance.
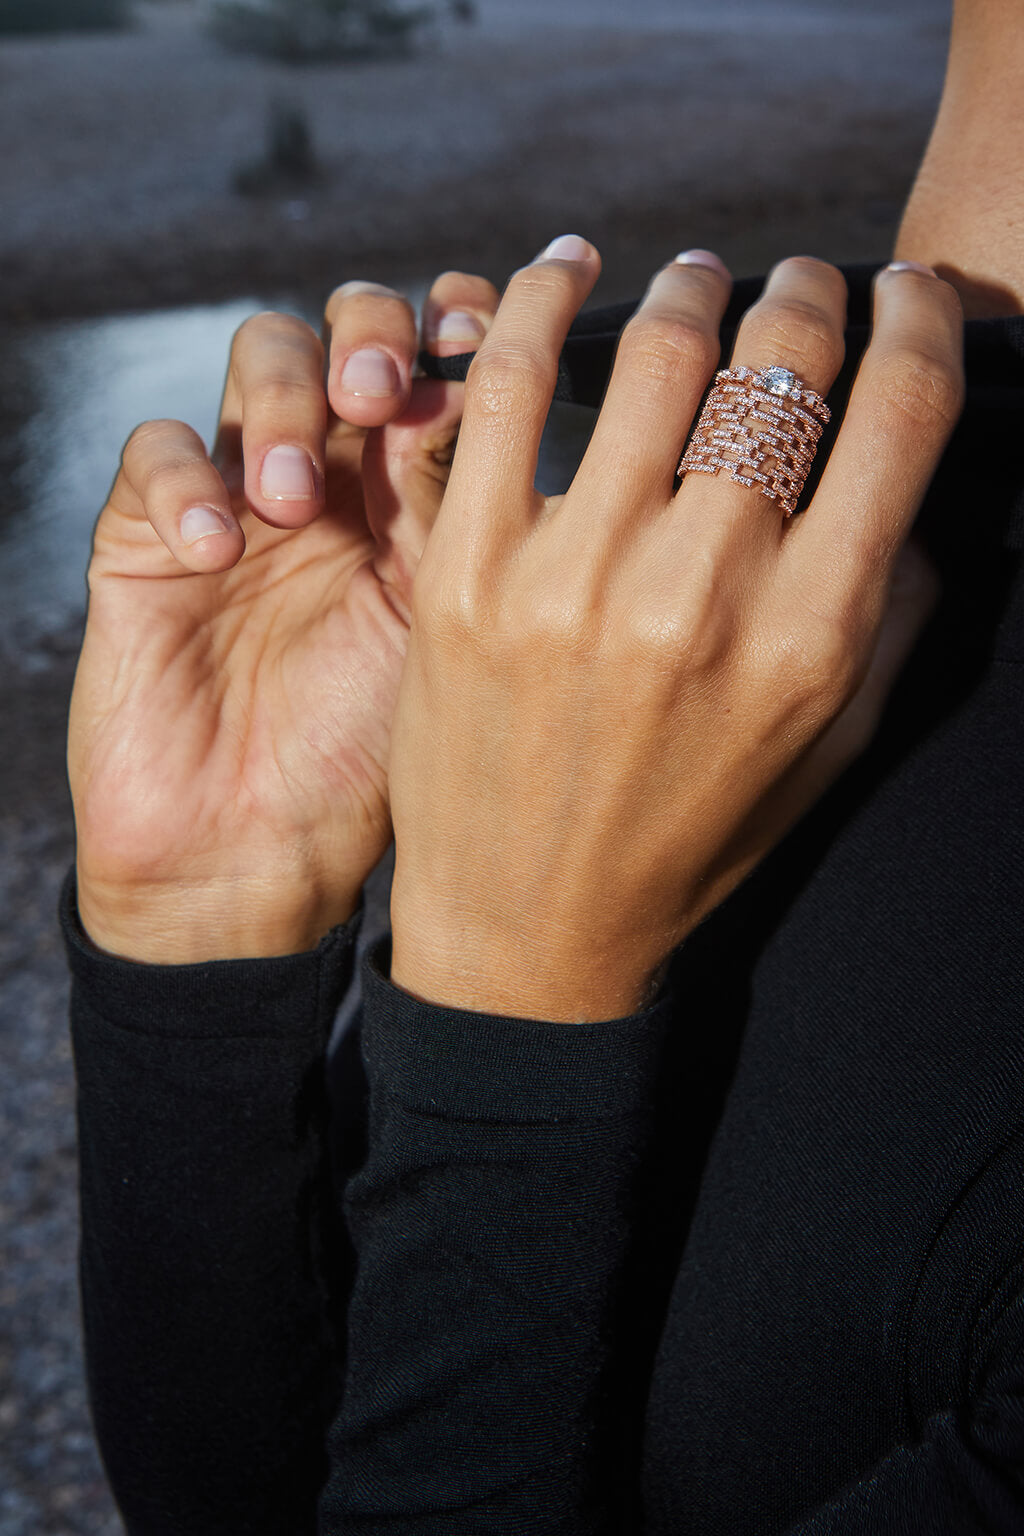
(248, 619)
(617, 701)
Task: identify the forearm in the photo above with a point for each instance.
(965, 215)
(204, 1224)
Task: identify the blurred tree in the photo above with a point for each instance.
(62, 15)
(300, 30)
(288, 163)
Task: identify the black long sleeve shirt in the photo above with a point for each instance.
(752, 1262)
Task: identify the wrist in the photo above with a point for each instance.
(464, 967)
(181, 922)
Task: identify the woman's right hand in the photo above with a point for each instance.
(617, 701)
(247, 625)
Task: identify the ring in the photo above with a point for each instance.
(763, 425)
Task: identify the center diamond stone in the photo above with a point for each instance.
(778, 381)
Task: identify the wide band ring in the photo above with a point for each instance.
(763, 425)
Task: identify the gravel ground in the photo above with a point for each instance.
(50, 1479)
(757, 128)
(767, 129)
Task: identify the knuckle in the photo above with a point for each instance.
(662, 630)
(700, 624)
(705, 642)
(811, 270)
(161, 480)
(271, 328)
(266, 322)
(926, 390)
(542, 282)
(448, 607)
(822, 658)
(558, 620)
(505, 379)
(277, 395)
(666, 347)
(800, 332)
(463, 290)
(363, 300)
(154, 448)
(146, 435)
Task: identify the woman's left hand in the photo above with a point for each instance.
(617, 701)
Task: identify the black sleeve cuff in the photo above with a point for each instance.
(444, 1061)
(217, 999)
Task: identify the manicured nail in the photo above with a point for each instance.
(567, 248)
(370, 373)
(910, 266)
(201, 522)
(287, 475)
(456, 326)
(699, 258)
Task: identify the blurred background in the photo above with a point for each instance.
(169, 166)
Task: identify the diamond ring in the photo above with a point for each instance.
(763, 426)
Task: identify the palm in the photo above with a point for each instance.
(244, 715)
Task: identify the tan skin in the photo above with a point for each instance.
(965, 215)
(230, 719)
(230, 750)
(620, 699)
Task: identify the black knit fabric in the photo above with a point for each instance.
(747, 1265)
(208, 1241)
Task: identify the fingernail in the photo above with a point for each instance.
(456, 326)
(351, 289)
(200, 522)
(699, 258)
(370, 373)
(567, 248)
(287, 475)
(910, 266)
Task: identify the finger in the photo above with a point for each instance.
(167, 480)
(406, 463)
(458, 313)
(512, 380)
(274, 405)
(371, 333)
(664, 362)
(797, 324)
(905, 402)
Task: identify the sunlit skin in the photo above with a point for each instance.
(620, 699)
(965, 215)
(230, 744)
(231, 725)
(231, 713)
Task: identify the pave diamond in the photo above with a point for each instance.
(778, 381)
(764, 444)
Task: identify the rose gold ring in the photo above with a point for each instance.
(762, 425)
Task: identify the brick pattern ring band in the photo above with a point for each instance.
(763, 426)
